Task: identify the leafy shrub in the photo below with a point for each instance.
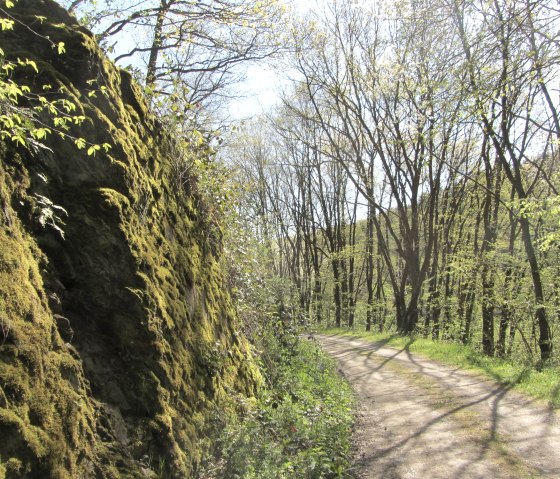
(301, 424)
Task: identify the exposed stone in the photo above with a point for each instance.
(134, 286)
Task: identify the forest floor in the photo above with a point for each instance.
(419, 419)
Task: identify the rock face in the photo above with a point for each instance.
(118, 346)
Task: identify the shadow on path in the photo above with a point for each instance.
(461, 418)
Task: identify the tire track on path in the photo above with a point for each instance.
(418, 419)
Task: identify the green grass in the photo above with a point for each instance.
(300, 426)
(542, 384)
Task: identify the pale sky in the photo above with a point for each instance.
(264, 82)
(261, 91)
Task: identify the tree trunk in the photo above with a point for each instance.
(507, 310)
(369, 269)
(487, 310)
(157, 43)
(379, 295)
(545, 343)
(337, 293)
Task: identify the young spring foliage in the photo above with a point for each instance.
(26, 117)
(301, 424)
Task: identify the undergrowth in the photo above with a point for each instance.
(300, 426)
(538, 380)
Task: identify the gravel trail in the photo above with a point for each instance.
(419, 419)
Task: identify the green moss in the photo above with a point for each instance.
(35, 397)
(115, 199)
(153, 351)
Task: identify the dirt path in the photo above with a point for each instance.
(419, 419)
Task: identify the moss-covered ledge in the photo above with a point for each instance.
(118, 342)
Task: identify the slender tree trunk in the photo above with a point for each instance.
(318, 299)
(157, 44)
(448, 293)
(351, 263)
(337, 293)
(487, 310)
(490, 220)
(545, 343)
(379, 294)
(369, 268)
(433, 296)
(507, 309)
(470, 290)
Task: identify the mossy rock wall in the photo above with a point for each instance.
(118, 342)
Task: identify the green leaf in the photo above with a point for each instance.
(6, 24)
(18, 138)
(61, 48)
(40, 133)
(93, 149)
(29, 63)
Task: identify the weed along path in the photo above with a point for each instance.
(418, 419)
